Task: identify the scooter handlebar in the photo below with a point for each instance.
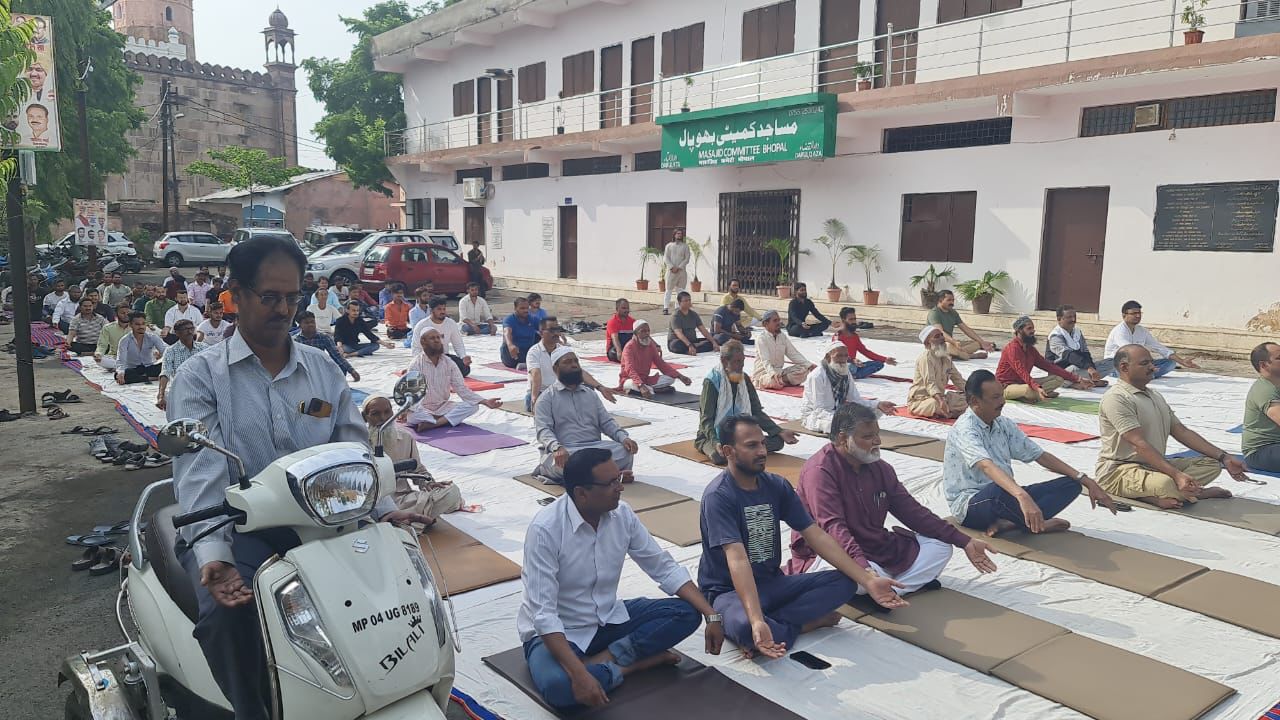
(196, 516)
(405, 465)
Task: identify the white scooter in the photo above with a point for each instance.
(352, 621)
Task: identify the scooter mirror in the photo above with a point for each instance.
(410, 388)
(178, 437)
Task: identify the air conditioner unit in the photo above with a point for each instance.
(1146, 116)
(474, 190)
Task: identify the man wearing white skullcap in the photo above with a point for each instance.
(415, 489)
(569, 416)
(831, 386)
(639, 358)
(928, 396)
(443, 378)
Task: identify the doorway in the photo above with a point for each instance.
(569, 242)
(441, 213)
(473, 225)
(610, 82)
(838, 24)
(897, 63)
(1075, 233)
(747, 221)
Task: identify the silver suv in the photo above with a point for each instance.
(347, 266)
(179, 248)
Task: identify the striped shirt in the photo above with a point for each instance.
(176, 355)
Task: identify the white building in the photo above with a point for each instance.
(1078, 144)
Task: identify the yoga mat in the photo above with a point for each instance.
(679, 399)
(1234, 599)
(1108, 683)
(500, 366)
(358, 396)
(891, 378)
(640, 496)
(466, 439)
(1237, 512)
(605, 359)
(624, 421)
(789, 391)
(1070, 404)
(1059, 435)
(464, 562)
(889, 440)
(934, 450)
(788, 466)
(479, 385)
(678, 524)
(1193, 453)
(1237, 430)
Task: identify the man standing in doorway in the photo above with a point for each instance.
(676, 255)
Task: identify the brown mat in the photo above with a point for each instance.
(889, 440)
(788, 466)
(639, 495)
(1108, 683)
(678, 524)
(465, 563)
(1236, 512)
(1235, 599)
(970, 631)
(688, 690)
(933, 450)
(624, 421)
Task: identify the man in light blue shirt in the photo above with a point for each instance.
(977, 470)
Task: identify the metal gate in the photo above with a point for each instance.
(747, 221)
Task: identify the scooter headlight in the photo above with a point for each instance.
(335, 486)
(307, 633)
(429, 587)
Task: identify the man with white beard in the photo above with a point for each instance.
(928, 396)
(639, 359)
(849, 490)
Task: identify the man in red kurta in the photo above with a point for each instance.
(849, 490)
(848, 334)
(1017, 360)
(639, 358)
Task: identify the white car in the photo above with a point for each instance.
(117, 244)
(347, 265)
(180, 248)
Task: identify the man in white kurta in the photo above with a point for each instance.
(443, 379)
(773, 350)
(830, 386)
(676, 255)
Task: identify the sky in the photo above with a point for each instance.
(229, 32)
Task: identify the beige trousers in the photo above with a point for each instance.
(1132, 480)
(963, 350)
(1025, 394)
(928, 408)
(431, 498)
(770, 379)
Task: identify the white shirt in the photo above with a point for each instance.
(477, 312)
(571, 571)
(65, 310)
(176, 313)
(326, 316)
(539, 357)
(820, 398)
(1121, 336)
(773, 351)
(449, 330)
(213, 335)
(52, 299)
(443, 378)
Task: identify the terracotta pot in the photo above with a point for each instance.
(784, 291)
(695, 286)
(864, 85)
(982, 304)
(833, 294)
(642, 284)
(928, 298)
(662, 286)
(1193, 37)
(870, 297)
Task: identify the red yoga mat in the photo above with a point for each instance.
(790, 390)
(478, 385)
(605, 359)
(1060, 435)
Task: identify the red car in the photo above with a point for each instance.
(414, 264)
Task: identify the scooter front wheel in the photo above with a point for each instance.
(76, 708)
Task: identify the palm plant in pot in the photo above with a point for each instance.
(833, 239)
(784, 248)
(982, 291)
(929, 280)
(662, 274)
(697, 250)
(868, 256)
(646, 254)
(1194, 20)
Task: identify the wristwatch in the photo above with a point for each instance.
(1222, 457)
(713, 618)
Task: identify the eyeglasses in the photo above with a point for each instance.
(271, 300)
(616, 482)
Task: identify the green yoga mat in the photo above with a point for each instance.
(1070, 404)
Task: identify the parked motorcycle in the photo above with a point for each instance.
(353, 624)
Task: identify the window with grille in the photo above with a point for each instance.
(592, 166)
(484, 172)
(1237, 108)
(1261, 10)
(648, 161)
(525, 171)
(973, 133)
(938, 227)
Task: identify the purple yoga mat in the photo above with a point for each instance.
(466, 440)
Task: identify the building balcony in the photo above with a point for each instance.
(1051, 43)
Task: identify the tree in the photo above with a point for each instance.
(239, 168)
(15, 56)
(360, 103)
(81, 33)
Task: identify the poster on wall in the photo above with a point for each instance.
(36, 121)
(91, 222)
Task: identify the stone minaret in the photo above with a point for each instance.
(153, 19)
(280, 50)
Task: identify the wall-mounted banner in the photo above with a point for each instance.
(91, 222)
(802, 127)
(36, 121)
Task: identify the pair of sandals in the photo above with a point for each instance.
(6, 416)
(55, 412)
(140, 460)
(52, 399)
(91, 432)
(109, 449)
(101, 560)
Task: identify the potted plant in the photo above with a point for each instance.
(929, 279)
(696, 250)
(868, 256)
(688, 83)
(833, 239)
(662, 275)
(646, 254)
(866, 72)
(784, 249)
(1194, 20)
(980, 292)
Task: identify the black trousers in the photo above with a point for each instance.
(510, 361)
(398, 333)
(80, 348)
(679, 347)
(141, 373)
(465, 368)
(815, 330)
(623, 339)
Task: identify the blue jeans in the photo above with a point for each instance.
(1164, 366)
(362, 350)
(788, 602)
(484, 329)
(655, 626)
(867, 369)
(993, 503)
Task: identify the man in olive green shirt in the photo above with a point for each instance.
(1136, 423)
(735, 288)
(1261, 443)
(944, 317)
(156, 308)
(727, 391)
(109, 338)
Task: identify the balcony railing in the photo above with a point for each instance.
(1037, 34)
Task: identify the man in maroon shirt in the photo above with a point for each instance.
(848, 334)
(1020, 357)
(849, 490)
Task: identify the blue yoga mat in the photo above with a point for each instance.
(1193, 453)
(1238, 430)
(358, 396)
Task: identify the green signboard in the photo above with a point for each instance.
(802, 127)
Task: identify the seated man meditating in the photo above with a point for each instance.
(416, 491)
(682, 338)
(580, 640)
(619, 329)
(830, 387)
(741, 567)
(443, 377)
(1136, 423)
(945, 317)
(928, 396)
(1131, 332)
(774, 349)
(138, 354)
(640, 358)
(726, 324)
(726, 391)
(977, 470)
(569, 417)
(735, 293)
(1020, 357)
(1068, 349)
(519, 333)
(541, 374)
(849, 490)
(1261, 442)
(848, 334)
(799, 310)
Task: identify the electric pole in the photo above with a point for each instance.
(172, 171)
(164, 162)
(86, 166)
(21, 292)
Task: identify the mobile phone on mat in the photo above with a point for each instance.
(809, 660)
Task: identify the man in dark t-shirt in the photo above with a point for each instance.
(741, 567)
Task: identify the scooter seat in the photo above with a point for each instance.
(159, 541)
